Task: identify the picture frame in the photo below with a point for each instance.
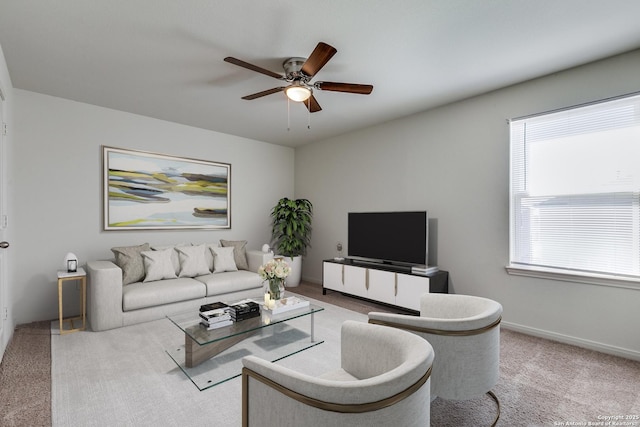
(151, 191)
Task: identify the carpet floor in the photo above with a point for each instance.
(25, 377)
(542, 383)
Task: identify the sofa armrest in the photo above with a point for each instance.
(325, 390)
(256, 258)
(104, 295)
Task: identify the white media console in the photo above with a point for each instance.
(381, 282)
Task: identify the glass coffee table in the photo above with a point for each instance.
(211, 357)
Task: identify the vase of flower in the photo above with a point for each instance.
(274, 273)
(276, 289)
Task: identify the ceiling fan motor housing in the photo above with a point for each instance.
(292, 68)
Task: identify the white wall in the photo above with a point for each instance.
(58, 189)
(454, 162)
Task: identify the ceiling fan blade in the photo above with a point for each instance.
(345, 87)
(312, 104)
(319, 57)
(263, 93)
(252, 67)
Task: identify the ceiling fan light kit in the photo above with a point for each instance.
(299, 72)
(297, 93)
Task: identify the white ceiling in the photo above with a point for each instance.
(164, 58)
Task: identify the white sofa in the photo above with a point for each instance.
(146, 283)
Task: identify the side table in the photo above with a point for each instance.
(81, 276)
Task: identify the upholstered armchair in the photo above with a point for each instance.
(383, 380)
(464, 331)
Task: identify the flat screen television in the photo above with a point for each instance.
(390, 237)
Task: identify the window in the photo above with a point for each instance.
(575, 191)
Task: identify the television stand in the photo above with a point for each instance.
(386, 283)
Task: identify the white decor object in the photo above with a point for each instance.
(70, 262)
(266, 248)
(285, 304)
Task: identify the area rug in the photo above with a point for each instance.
(124, 377)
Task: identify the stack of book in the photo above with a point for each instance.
(215, 315)
(243, 310)
(213, 306)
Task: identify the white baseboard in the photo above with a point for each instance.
(579, 342)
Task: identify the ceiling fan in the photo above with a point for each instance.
(299, 72)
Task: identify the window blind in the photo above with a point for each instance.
(575, 189)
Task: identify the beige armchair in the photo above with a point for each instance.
(464, 331)
(383, 380)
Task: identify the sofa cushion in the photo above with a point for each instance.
(223, 259)
(230, 281)
(192, 261)
(152, 294)
(239, 253)
(129, 259)
(158, 265)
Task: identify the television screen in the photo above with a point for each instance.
(396, 237)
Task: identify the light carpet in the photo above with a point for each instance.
(124, 377)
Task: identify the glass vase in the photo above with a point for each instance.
(276, 289)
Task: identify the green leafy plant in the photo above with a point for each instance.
(291, 226)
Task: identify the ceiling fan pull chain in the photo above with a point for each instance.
(309, 113)
(288, 115)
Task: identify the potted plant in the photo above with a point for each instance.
(291, 233)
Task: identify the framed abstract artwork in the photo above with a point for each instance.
(150, 191)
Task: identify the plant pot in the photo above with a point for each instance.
(293, 279)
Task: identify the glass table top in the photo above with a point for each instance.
(189, 323)
(270, 337)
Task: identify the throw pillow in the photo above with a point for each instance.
(210, 254)
(192, 261)
(158, 265)
(239, 252)
(129, 259)
(174, 255)
(223, 259)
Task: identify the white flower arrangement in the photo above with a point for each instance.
(276, 268)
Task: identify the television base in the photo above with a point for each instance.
(384, 265)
